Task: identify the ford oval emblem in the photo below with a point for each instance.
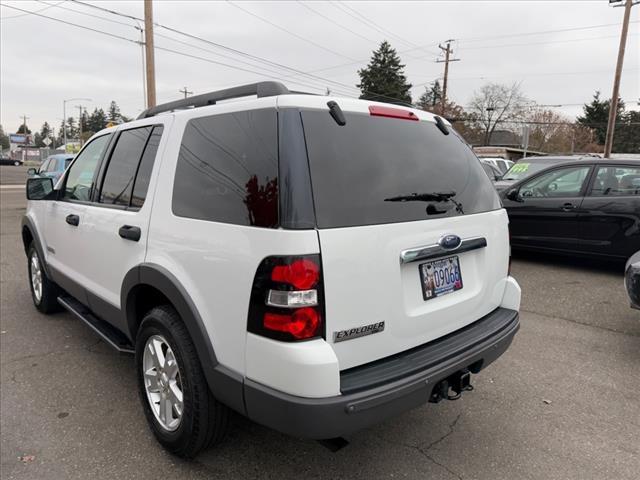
(450, 242)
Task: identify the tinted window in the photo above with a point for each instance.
(45, 165)
(79, 180)
(563, 182)
(357, 167)
(143, 176)
(616, 181)
(228, 169)
(121, 171)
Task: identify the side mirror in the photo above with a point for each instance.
(39, 188)
(513, 195)
(32, 171)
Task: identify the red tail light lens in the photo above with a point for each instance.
(301, 274)
(303, 323)
(287, 298)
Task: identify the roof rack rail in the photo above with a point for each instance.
(261, 89)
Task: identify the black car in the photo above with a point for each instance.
(590, 207)
(525, 167)
(10, 161)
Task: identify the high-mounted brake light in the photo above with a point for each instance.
(390, 112)
(287, 300)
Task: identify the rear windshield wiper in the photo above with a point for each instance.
(428, 197)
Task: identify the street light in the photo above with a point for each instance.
(64, 116)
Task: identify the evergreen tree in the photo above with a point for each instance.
(4, 140)
(596, 116)
(626, 136)
(21, 129)
(72, 131)
(97, 120)
(383, 80)
(431, 96)
(114, 112)
(38, 138)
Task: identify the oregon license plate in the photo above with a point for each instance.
(440, 277)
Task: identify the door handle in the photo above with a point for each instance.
(129, 232)
(567, 207)
(73, 220)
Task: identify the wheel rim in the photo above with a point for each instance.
(162, 382)
(36, 277)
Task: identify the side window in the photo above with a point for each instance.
(228, 169)
(143, 176)
(45, 166)
(564, 182)
(119, 177)
(616, 181)
(80, 177)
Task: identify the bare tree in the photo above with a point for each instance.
(496, 104)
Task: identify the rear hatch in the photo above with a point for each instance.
(364, 175)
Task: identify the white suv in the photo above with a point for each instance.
(316, 264)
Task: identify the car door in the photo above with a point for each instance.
(116, 222)
(610, 214)
(66, 242)
(544, 214)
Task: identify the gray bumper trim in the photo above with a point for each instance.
(321, 418)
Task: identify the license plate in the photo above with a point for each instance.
(440, 277)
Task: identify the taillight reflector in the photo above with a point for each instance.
(303, 323)
(389, 112)
(301, 274)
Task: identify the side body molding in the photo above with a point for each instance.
(226, 385)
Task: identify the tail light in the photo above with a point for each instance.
(287, 298)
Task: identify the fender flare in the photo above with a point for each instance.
(225, 384)
(30, 226)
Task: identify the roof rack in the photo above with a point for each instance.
(261, 89)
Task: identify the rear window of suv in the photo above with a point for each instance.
(356, 167)
(228, 169)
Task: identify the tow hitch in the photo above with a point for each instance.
(457, 383)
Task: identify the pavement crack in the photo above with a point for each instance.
(452, 426)
(571, 320)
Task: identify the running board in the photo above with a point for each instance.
(109, 334)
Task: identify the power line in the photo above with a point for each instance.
(224, 47)
(333, 22)
(86, 14)
(275, 25)
(72, 24)
(29, 13)
(371, 24)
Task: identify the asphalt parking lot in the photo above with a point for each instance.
(562, 403)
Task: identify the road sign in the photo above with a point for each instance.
(46, 141)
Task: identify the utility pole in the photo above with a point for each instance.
(149, 52)
(447, 53)
(613, 107)
(186, 92)
(79, 107)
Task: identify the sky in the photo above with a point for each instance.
(560, 52)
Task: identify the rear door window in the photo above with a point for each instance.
(357, 168)
(228, 169)
(616, 181)
(121, 171)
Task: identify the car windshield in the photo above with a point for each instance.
(521, 170)
(376, 170)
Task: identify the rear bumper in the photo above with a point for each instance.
(385, 388)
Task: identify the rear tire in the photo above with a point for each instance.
(44, 292)
(180, 409)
